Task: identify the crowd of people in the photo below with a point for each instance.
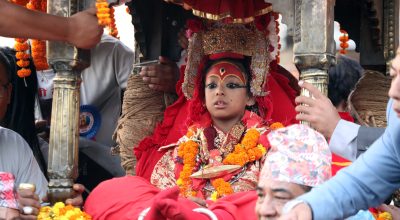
(229, 147)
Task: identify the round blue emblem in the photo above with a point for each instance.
(89, 121)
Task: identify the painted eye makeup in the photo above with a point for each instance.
(211, 85)
(234, 86)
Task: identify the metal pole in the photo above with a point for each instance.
(67, 61)
(314, 47)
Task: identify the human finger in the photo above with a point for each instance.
(151, 80)
(305, 100)
(304, 109)
(158, 87)
(153, 72)
(311, 88)
(305, 117)
(165, 60)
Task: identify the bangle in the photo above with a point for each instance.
(207, 212)
(291, 204)
(143, 213)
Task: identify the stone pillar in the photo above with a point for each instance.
(314, 47)
(68, 62)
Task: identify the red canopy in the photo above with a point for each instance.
(240, 11)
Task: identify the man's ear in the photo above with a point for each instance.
(251, 101)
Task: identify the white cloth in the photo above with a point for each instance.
(344, 140)
(102, 82)
(17, 158)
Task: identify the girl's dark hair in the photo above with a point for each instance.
(20, 115)
(343, 78)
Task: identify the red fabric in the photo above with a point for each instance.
(233, 8)
(126, 197)
(280, 108)
(340, 161)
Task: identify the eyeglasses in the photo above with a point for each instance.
(3, 90)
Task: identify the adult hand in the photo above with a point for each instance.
(83, 29)
(318, 111)
(182, 39)
(27, 198)
(76, 199)
(162, 76)
(393, 210)
(300, 212)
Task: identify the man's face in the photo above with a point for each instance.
(273, 195)
(394, 91)
(5, 91)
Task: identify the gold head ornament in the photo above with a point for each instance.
(242, 39)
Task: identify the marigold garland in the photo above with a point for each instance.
(247, 151)
(188, 152)
(60, 211)
(344, 38)
(103, 12)
(113, 31)
(38, 47)
(21, 46)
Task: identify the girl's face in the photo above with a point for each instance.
(5, 91)
(394, 91)
(226, 92)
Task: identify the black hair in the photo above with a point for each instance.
(342, 79)
(20, 115)
(4, 60)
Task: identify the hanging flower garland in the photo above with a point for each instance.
(21, 46)
(344, 38)
(112, 26)
(103, 12)
(38, 48)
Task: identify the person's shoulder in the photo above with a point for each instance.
(12, 140)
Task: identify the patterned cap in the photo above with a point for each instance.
(7, 196)
(299, 155)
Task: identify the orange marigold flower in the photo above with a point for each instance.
(22, 56)
(23, 63)
(276, 125)
(21, 46)
(23, 73)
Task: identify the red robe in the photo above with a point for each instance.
(127, 197)
(280, 102)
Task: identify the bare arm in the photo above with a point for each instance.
(81, 30)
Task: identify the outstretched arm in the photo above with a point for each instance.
(366, 183)
(82, 29)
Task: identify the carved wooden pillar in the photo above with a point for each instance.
(67, 61)
(314, 48)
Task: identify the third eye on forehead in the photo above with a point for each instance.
(228, 78)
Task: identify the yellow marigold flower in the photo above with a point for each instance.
(214, 196)
(262, 149)
(179, 182)
(384, 216)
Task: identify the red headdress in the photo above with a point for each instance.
(257, 40)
